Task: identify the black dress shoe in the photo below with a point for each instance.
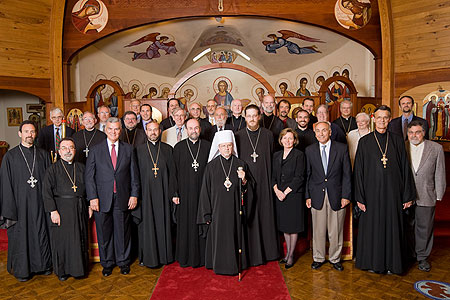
(124, 270)
(283, 261)
(315, 265)
(288, 266)
(107, 271)
(338, 266)
(63, 277)
(141, 263)
(47, 272)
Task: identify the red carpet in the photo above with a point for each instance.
(263, 282)
(3, 240)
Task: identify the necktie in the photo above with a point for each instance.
(114, 162)
(103, 128)
(324, 159)
(179, 134)
(57, 139)
(405, 129)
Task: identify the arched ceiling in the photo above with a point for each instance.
(191, 36)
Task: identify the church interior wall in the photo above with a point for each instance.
(9, 99)
(92, 64)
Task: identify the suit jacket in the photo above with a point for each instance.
(430, 176)
(291, 174)
(46, 137)
(337, 181)
(211, 131)
(396, 126)
(169, 136)
(100, 175)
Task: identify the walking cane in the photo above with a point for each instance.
(241, 207)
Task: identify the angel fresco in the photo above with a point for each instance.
(156, 45)
(282, 41)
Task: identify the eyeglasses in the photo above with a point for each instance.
(67, 148)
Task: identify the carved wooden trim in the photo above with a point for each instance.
(202, 69)
(39, 87)
(117, 88)
(351, 87)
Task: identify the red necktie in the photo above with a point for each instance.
(58, 139)
(114, 162)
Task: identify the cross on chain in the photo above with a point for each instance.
(32, 181)
(254, 156)
(86, 151)
(195, 165)
(155, 169)
(384, 160)
(74, 187)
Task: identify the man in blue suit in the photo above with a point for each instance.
(112, 187)
(399, 125)
(328, 191)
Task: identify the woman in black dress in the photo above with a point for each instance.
(287, 181)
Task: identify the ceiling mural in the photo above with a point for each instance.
(176, 43)
(278, 42)
(353, 14)
(157, 42)
(89, 16)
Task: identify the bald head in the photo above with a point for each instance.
(236, 107)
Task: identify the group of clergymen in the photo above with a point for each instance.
(213, 178)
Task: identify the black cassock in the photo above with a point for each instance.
(82, 139)
(221, 208)
(135, 136)
(155, 205)
(275, 125)
(381, 240)
(190, 250)
(69, 241)
(23, 211)
(262, 229)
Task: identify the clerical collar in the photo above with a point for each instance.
(130, 129)
(237, 116)
(345, 118)
(31, 147)
(253, 130)
(226, 158)
(382, 134)
(93, 129)
(302, 129)
(193, 142)
(154, 143)
(67, 162)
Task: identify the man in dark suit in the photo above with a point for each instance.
(112, 187)
(399, 125)
(50, 135)
(328, 191)
(220, 117)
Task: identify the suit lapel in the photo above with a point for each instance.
(332, 157)
(318, 156)
(425, 154)
(120, 155)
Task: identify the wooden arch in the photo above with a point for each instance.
(91, 94)
(348, 83)
(202, 69)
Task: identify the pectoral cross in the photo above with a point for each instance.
(155, 169)
(384, 160)
(32, 181)
(254, 156)
(74, 188)
(86, 151)
(195, 165)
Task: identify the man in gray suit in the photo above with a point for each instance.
(428, 166)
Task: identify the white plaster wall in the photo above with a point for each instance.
(13, 99)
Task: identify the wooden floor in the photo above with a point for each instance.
(303, 283)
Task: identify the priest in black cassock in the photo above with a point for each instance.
(236, 120)
(190, 156)
(308, 105)
(384, 189)
(132, 134)
(219, 206)
(86, 138)
(270, 121)
(169, 121)
(157, 173)
(255, 145)
(306, 135)
(22, 174)
(64, 196)
(346, 121)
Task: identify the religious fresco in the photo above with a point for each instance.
(436, 110)
(303, 91)
(223, 56)
(283, 87)
(189, 94)
(353, 14)
(278, 42)
(135, 90)
(157, 42)
(14, 115)
(221, 37)
(89, 16)
(223, 86)
(151, 91)
(74, 119)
